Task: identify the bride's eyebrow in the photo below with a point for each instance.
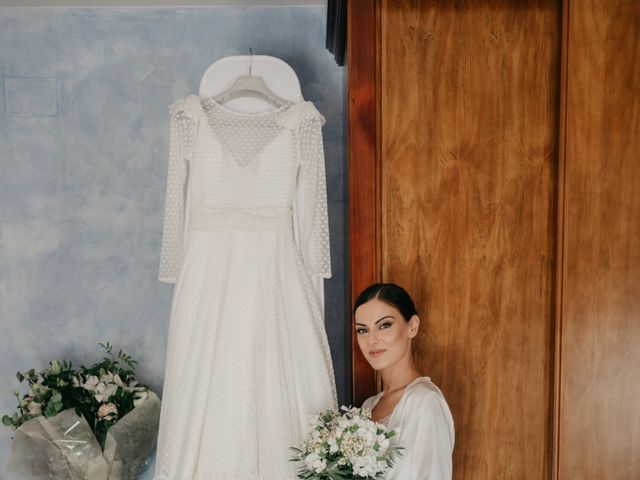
(377, 321)
(384, 318)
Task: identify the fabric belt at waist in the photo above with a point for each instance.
(250, 219)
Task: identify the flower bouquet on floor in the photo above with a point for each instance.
(95, 423)
(348, 445)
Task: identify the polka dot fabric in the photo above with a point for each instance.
(245, 241)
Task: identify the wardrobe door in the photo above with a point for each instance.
(469, 96)
(599, 361)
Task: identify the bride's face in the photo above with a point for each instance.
(384, 336)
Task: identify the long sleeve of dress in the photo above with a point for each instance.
(310, 208)
(181, 136)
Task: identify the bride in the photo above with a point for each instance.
(386, 321)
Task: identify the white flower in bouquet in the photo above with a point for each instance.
(34, 408)
(112, 378)
(347, 445)
(38, 388)
(315, 463)
(140, 397)
(105, 386)
(91, 383)
(104, 392)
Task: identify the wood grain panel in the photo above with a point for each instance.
(559, 264)
(469, 143)
(363, 216)
(600, 383)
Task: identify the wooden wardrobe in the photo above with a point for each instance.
(494, 172)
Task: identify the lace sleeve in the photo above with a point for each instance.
(180, 142)
(311, 199)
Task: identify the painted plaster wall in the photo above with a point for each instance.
(83, 162)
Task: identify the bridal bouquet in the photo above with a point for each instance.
(95, 422)
(347, 445)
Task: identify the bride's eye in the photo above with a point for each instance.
(361, 331)
(385, 325)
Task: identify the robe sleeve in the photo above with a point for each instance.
(427, 435)
(182, 133)
(310, 204)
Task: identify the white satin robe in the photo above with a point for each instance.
(427, 432)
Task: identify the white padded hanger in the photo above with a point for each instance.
(251, 83)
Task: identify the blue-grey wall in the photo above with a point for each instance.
(83, 162)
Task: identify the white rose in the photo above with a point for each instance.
(369, 436)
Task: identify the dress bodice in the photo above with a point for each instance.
(223, 160)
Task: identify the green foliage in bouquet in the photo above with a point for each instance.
(102, 393)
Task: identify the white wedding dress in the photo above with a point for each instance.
(245, 240)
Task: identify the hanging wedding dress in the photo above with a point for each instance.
(245, 237)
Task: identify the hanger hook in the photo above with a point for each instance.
(250, 59)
